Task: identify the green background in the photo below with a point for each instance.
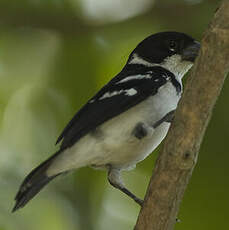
(54, 55)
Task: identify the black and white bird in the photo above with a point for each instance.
(126, 120)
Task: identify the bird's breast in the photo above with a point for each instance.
(130, 137)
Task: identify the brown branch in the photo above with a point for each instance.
(179, 154)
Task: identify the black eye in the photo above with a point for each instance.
(173, 45)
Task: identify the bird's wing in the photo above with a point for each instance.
(120, 94)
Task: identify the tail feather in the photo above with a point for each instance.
(33, 183)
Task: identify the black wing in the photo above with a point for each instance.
(120, 94)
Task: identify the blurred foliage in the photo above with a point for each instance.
(54, 55)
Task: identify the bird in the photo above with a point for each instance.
(126, 119)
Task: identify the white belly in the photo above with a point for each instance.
(126, 153)
(117, 145)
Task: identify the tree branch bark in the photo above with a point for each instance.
(179, 154)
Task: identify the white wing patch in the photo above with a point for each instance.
(135, 77)
(128, 92)
(166, 77)
(91, 101)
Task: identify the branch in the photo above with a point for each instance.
(179, 155)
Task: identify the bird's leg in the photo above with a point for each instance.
(167, 118)
(114, 177)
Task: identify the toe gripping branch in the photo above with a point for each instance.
(114, 178)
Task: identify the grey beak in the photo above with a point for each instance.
(190, 53)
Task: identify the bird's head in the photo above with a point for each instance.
(172, 50)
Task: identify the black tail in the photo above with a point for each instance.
(33, 183)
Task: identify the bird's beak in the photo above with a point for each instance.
(191, 52)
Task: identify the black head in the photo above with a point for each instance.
(157, 47)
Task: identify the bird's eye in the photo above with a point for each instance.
(173, 45)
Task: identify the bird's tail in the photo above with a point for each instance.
(33, 183)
